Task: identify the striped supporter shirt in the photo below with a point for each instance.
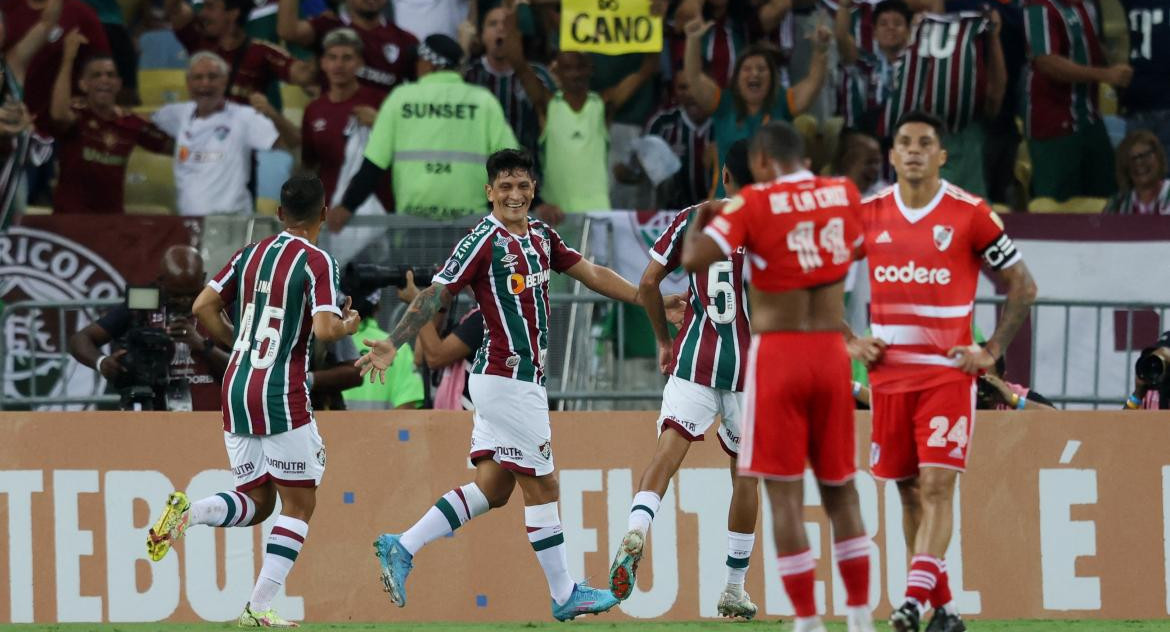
(509, 275)
(1066, 29)
(518, 110)
(689, 142)
(273, 289)
(14, 152)
(924, 266)
(711, 348)
(1128, 203)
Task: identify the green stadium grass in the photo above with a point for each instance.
(597, 625)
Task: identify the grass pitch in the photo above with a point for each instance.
(598, 626)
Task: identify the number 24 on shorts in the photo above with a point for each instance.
(940, 436)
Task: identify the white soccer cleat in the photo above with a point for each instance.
(859, 619)
(735, 602)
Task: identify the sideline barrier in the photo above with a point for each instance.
(1063, 515)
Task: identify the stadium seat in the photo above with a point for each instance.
(160, 87)
(266, 206)
(161, 50)
(1071, 205)
(150, 180)
(148, 209)
(38, 210)
(293, 97)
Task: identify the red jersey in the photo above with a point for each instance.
(923, 269)
(800, 230)
(93, 154)
(326, 132)
(19, 18)
(260, 64)
(387, 50)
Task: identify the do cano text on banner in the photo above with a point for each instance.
(610, 27)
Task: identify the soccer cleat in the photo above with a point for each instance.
(170, 527)
(266, 619)
(623, 573)
(905, 618)
(584, 600)
(396, 563)
(943, 621)
(735, 602)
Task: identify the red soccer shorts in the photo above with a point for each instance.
(927, 428)
(798, 408)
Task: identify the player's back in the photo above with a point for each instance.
(275, 284)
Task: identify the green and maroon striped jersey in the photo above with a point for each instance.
(711, 348)
(272, 289)
(1069, 30)
(509, 275)
(1128, 203)
(942, 71)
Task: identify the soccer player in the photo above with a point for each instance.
(706, 363)
(507, 260)
(926, 239)
(801, 233)
(283, 291)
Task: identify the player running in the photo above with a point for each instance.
(507, 260)
(706, 363)
(801, 233)
(926, 239)
(283, 292)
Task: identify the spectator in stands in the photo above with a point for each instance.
(1070, 149)
(215, 139)
(388, 51)
(994, 392)
(1151, 389)
(448, 358)
(331, 373)
(859, 158)
(336, 125)
(122, 49)
(755, 95)
(435, 133)
(253, 66)
(729, 34)
(1147, 98)
(686, 127)
(95, 136)
(1142, 183)
(423, 18)
(867, 72)
(197, 361)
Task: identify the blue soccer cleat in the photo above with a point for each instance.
(396, 563)
(583, 600)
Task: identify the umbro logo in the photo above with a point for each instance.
(883, 238)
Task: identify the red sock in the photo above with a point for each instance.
(941, 595)
(798, 571)
(923, 577)
(853, 563)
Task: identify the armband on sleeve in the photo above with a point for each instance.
(1002, 253)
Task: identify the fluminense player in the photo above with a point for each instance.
(801, 233)
(507, 260)
(282, 292)
(927, 240)
(706, 363)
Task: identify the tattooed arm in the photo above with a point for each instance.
(421, 311)
(1021, 294)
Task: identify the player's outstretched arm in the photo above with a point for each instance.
(604, 281)
(422, 309)
(207, 308)
(328, 326)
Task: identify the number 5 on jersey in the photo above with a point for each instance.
(267, 332)
(721, 309)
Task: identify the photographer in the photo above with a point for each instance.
(403, 387)
(196, 364)
(996, 393)
(1150, 383)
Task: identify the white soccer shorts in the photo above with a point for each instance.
(511, 424)
(295, 458)
(691, 408)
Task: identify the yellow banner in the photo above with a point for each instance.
(610, 27)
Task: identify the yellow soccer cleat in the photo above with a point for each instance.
(170, 527)
(266, 619)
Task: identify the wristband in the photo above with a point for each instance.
(97, 366)
(856, 389)
(1132, 402)
(1021, 402)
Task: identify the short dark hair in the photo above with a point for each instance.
(302, 197)
(243, 6)
(96, 57)
(736, 162)
(508, 161)
(897, 6)
(780, 141)
(920, 116)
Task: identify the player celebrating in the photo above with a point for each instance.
(507, 259)
(801, 232)
(706, 365)
(285, 291)
(926, 239)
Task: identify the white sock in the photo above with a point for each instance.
(225, 509)
(450, 512)
(545, 534)
(642, 510)
(808, 624)
(739, 552)
(950, 608)
(284, 545)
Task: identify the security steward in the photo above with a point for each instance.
(436, 135)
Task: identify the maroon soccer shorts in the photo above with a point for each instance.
(927, 428)
(798, 408)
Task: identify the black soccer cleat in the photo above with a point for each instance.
(943, 621)
(905, 618)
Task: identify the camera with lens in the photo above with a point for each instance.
(143, 383)
(361, 280)
(1153, 369)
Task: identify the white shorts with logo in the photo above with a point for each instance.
(511, 424)
(295, 458)
(691, 408)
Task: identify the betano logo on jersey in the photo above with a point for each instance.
(517, 283)
(912, 273)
